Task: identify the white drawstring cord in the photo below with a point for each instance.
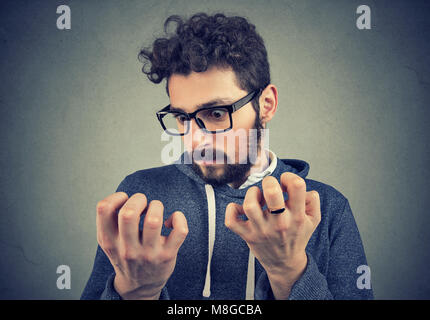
(250, 280)
(211, 217)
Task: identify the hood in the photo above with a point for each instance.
(299, 167)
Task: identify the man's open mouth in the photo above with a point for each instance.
(207, 157)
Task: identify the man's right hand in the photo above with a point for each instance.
(143, 261)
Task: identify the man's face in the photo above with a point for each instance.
(232, 147)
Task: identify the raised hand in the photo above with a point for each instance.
(143, 261)
(278, 241)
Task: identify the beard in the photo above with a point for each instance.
(223, 173)
(234, 173)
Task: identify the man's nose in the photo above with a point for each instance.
(196, 136)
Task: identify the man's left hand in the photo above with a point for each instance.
(278, 241)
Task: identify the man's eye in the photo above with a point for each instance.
(217, 113)
(181, 118)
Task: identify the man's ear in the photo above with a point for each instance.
(268, 103)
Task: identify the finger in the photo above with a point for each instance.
(252, 206)
(129, 217)
(177, 236)
(233, 221)
(313, 209)
(168, 223)
(295, 187)
(152, 224)
(272, 192)
(107, 218)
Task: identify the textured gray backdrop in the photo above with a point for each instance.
(77, 116)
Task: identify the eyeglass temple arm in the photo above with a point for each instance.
(239, 104)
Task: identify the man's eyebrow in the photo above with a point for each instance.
(211, 103)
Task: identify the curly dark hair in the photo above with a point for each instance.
(204, 41)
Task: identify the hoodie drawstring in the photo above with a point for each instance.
(250, 280)
(210, 195)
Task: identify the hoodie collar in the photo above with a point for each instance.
(254, 177)
(299, 167)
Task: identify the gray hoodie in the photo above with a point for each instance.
(215, 263)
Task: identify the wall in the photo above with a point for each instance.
(77, 116)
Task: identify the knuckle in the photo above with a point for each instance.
(252, 193)
(127, 214)
(284, 176)
(152, 222)
(271, 192)
(233, 226)
(183, 232)
(128, 254)
(148, 256)
(138, 196)
(124, 194)
(287, 176)
(299, 220)
(299, 183)
(265, 235)
(103, 206)
(281, 227)
(249, 206)
(166, 256)
(107, 246)
(253, 189)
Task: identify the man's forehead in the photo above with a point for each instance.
(207, 103)
(202, 89)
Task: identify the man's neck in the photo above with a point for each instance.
(263, 161)
(261, 164)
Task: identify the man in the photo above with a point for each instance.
(222, 222)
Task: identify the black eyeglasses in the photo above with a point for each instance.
(210, 119)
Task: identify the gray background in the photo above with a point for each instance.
(77, 116)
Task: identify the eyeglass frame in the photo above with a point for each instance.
(231, 108)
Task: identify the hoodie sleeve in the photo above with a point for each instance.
(341, 281)
(100, 285)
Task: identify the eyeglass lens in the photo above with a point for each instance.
(213, 119)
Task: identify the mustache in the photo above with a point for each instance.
(210, 154)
